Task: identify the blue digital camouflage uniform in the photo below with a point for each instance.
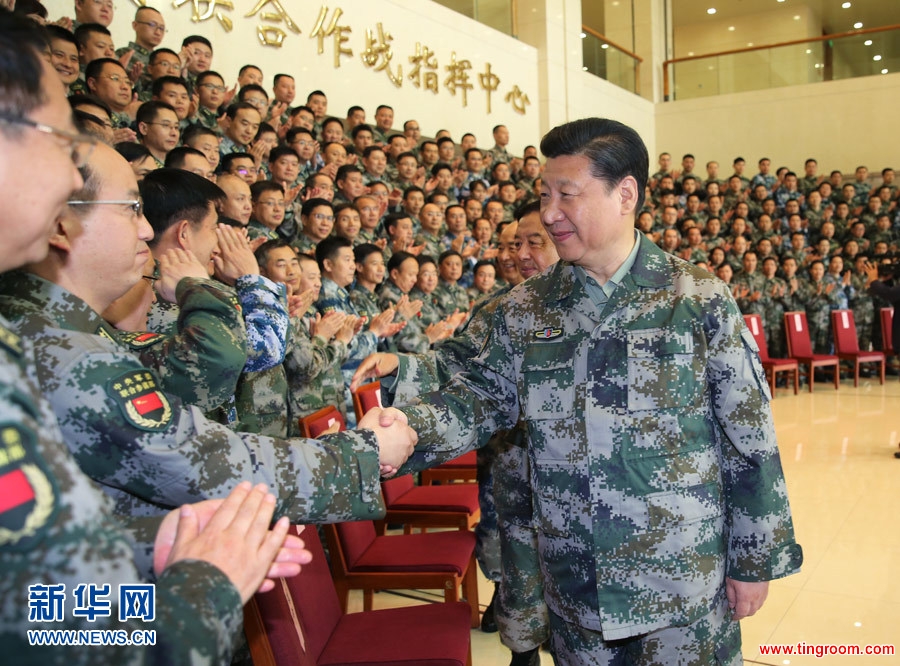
(147, 449)
(265, 317)
(653, 459)
(334, 298)
(57, 528)
(506, 541)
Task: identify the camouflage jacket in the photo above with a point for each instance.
(265, 318)
(312, 366)
(655, 470)
(57, 528)
(449, 297)
(147, 450)
(333, 297)
(201, 361)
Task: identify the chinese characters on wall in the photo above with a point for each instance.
(458, 76)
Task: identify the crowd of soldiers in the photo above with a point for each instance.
(784, 242)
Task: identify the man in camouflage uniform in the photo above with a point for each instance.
(56, 528)
(820, 298)
(749, 286)
(774, 292)
(144, 446)
(506, 544)
(660, 504)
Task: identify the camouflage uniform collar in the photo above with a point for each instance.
(649, 270)
(62, 307)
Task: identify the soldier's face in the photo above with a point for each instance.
(237, 203)
(372, 268)
(405, 276)
(282, 265)
(40, 175)
(108, 242)
(342, 267)
(202, 239)
(428, 278)
(506, 262)
(534, 250)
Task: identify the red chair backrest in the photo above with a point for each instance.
(797, 334)
(844, 328)
(394, 488)
(366, 397)
(887, 328)
(300, 614)
(323, 419)
(355, 538)
(754, 323)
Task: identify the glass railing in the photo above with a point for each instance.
(497, 14)
(609, 61)
(867, 52)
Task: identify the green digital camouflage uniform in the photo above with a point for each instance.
(818, 303)
(412, 338)
(365, 301)
(313, 369)
(449, 297)
(863, 311)
(653, 459)
(773, 318)
(147, 449)
(506, 541)
(434, 244)
(201, 360)
(56, 527)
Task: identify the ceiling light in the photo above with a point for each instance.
(808, 51)
(583, 35)
(876, 58)
(749, 43)
(604, 46)
(868, 42)
(858, 25)
(884, 71)
(690, 53)
(797, 18)
(711, 10)
(584, 69)
(846, 5)
(731, 28)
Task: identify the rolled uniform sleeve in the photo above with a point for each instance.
(266, 317)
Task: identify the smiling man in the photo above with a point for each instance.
(659, 500)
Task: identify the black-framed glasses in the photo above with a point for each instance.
(213, 86)
(81, 145)
(153, 25)
(136, 205)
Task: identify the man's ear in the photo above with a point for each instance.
(182, 234)
(628, 192)
(65, 229)
(327, 265)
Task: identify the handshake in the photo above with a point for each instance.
(396, 440)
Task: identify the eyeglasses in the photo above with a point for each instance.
(115, 78)
(166, 64)
(272, 204)
(136, 205)
(304, 143)
(166, 125)
(80, 145)
(153, 25)
(213, 86)
(247, 171)
(322, 216)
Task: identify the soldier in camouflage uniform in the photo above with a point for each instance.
(660, 504)
(774, 291)
(820, 297)
(862, 305)
(749, 286)
(449, 295)
(56, 528)
(146, 448)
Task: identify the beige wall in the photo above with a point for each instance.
(409, 22)
(840, 123)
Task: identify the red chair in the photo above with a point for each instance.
(846, 344)
(318, 422)
(800, 348)
(451, 505)
(365, 398)
(887, 330)
(772, 366)
(362, 560)
(300, 623)
(463, 468)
